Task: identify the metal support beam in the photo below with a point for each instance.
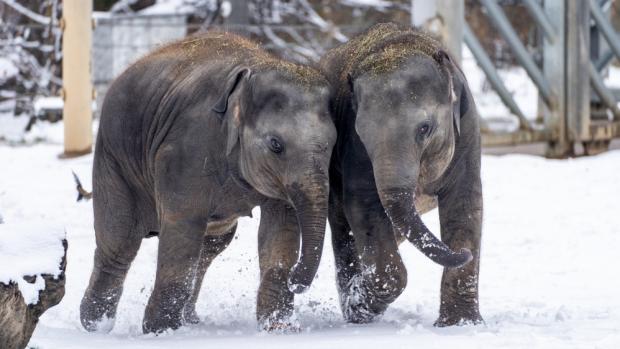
(554, 70)
(607, 97)
(489, 70)
(239, 17)
(604, 60)
(533, 6)
(577, 56)
(444, 18)
(606, 29)
(496, 139)
(76, 77)
(499, 19)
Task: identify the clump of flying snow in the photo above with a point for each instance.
(30, 249)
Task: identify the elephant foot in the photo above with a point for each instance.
(281, 327)
(103, 325)
(358, 314)
(160, 325)
(97, 314)
(359, 306)
(279, 322)
(459, 317)
(362, 312)
(158, 321)
(191, 317)
(166, 308)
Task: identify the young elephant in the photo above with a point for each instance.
(192, 137)
(408, 140)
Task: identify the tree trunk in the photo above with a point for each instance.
(18, 319)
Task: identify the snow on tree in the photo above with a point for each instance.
(302, 30)
(29, 53)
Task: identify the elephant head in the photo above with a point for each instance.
(407, 116)
(280, 136)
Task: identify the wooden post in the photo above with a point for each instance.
(444, 18)
(76, 76)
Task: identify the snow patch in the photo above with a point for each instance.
(378, 4)
(30, 249)
(168, 7)
(47, 103)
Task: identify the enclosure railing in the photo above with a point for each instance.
(577, 45)
(570, 70)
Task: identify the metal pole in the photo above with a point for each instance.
(444, 18)
(497, 16)
(76, 76)
(607, 97)
(577, 53)
(491, 73)
(239, 16)
(604, 60)
(554, 63)
(541, 19)
(605, 27)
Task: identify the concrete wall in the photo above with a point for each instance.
(120, 40)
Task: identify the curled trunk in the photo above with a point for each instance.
(396, 185)
(311, 207)
(400, 207)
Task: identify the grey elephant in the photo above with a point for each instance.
(191, 137)
(408, 141)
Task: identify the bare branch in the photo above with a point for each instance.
(27, 12)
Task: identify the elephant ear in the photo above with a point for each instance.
(458, 97)
(221, 107)
(350, 85)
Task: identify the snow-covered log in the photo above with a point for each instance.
(32, 279)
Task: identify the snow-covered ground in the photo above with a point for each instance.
(549, 275)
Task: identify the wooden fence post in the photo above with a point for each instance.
(76, 76)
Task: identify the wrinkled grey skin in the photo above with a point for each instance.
(17, 319)
(408, 141)
(185, 147)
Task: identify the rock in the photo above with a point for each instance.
(18, 319)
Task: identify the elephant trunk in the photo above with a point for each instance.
(396, 185)
(310, 201)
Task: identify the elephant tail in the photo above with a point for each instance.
(83, 194)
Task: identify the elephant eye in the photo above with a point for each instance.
(275, 145)
(424, 131)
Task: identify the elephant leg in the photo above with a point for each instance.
(278, 249)
(180, 245)
(381, 275)
(118, 239)
(460, 215)
(212, 246)
(345, 253)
